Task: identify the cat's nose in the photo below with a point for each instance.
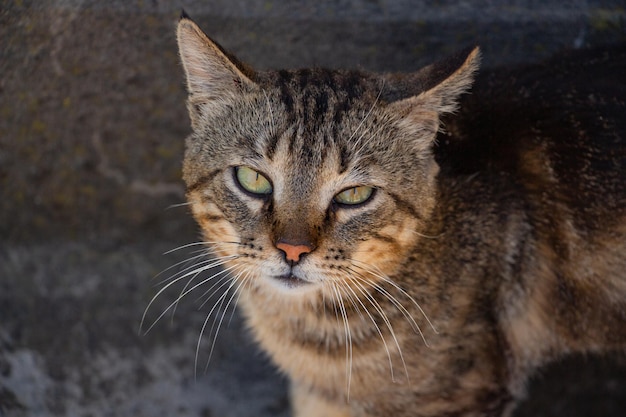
(293, 252)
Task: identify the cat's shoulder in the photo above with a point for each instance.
(556, 129)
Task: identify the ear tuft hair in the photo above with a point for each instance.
(441, 85)
(214, 78)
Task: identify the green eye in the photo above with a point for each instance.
(252, 181)
(354, 195)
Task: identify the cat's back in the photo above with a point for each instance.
(546, 146)
(556, 129)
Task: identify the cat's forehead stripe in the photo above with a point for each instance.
(312, 90)
(315, 102)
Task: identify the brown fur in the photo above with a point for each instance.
(494, 242)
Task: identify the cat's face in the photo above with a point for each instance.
(306, 180)
(345, 184)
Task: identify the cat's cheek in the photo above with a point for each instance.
(214, 225)
(376, 257)
(385, 251)
(219, 231)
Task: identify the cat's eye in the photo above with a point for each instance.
(354, 195)
(252, 181)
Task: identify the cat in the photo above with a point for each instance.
(413, 244)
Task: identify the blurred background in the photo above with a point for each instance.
(92, 126)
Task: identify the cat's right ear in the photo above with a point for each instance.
(213, 77)
(438, 89)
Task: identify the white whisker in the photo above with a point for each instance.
(384, 317)
(427, 236)
(379, 274)
(269, 107)
(363, 291)
(209, 293)
(348, 337)
(397, 304)
(201, 243)
(235, 292)
(183, 262)
(195, 273)
(186, 268)
(183, 291)
(363, 144)
(197, 268)
(216, 305)
(366, 117)
(246, 280)
(171, 206)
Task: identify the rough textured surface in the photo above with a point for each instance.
(92, 121)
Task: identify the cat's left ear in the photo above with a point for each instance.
(441, 83)
(214, 77)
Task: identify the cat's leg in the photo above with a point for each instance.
(305, 403)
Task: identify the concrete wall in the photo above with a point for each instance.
(92, 122)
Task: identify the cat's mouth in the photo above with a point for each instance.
(291, 281)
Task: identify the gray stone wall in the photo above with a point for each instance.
(92, 122)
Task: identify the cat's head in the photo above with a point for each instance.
(312, 179)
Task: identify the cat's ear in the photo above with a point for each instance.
(440, 84)
(213, 76)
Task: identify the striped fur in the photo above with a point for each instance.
(439, 294)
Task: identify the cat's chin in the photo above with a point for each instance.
(290, 281)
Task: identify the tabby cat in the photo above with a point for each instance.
(400, 248)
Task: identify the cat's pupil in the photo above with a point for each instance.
(354, 195)
(252, 181)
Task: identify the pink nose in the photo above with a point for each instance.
(293, 252)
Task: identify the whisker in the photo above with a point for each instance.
(349, 294)
(196, 272)
(199, 267)
(427, 236)
(224, 310)
(348, 337)
(379, 274)
(180, 296)
(396, 303)
(172, 206)
(205, 251)
(353, 297)
(269, 107)
(203, 243)
(208, 293)
(246, 280)
(363, 144)
(387, 322)
(183, 262)
(324, 303)
(366, 117)
(186, 268)
(181, 275)
(217, 303)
